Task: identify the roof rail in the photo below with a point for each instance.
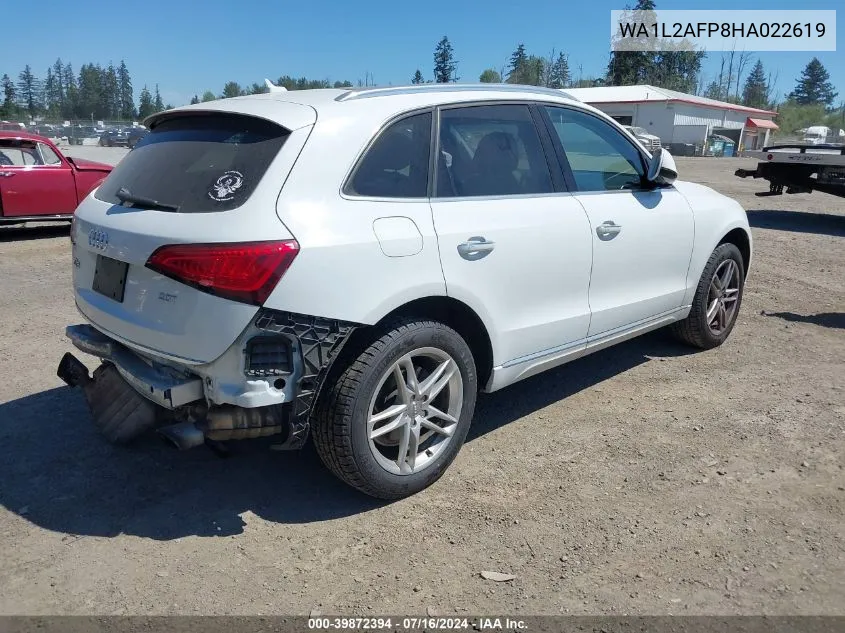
(369, 92)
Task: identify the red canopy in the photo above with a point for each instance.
(763, 124)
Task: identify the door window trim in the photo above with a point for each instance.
(546, 143)
(560, 153)
(346, 191)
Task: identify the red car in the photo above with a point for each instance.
(37, 182)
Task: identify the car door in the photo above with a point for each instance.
(37, 182)
(513, 245)
(642, 235)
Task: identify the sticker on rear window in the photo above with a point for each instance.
(224, 188)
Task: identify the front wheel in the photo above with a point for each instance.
(717, 299)
(398, 413)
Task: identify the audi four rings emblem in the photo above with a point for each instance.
(98, 239)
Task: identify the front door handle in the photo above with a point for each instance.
(475, 248)
(608, 230)
(6, 174)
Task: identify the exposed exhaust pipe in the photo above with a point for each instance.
(183, 436)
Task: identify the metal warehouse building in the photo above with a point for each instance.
(677, 117)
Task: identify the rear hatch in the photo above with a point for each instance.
(176, 250)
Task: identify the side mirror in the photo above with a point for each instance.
(662, 169)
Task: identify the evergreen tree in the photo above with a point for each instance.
(58, 96)
(71, 102)
(559, 74)
(418, 78)
(111, 104)
(208, 96)
(518, 73)
(127, 98)
(814, 86)
(627, 67)
(444, 62)
(490, 76)
(90, 92)
(195, 100)
(9, 96)
(755, 94)
(158, 104)
(49, 90)
(232, 89)
(145, 104)
(29, 91)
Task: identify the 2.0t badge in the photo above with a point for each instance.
(98, 239)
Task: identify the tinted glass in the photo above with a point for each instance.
(490, 151)
(198, 163)
(396, 165)
(601, 158)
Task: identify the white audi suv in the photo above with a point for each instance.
(356, 265)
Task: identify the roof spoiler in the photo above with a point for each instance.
(271, 87)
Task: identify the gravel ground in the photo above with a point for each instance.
(645, 479)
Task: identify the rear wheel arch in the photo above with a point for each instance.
(449, 311)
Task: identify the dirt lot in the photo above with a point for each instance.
(643, 480)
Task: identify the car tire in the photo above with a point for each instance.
(702, 328)
(365, 384)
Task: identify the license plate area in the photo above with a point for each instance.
(110, 278)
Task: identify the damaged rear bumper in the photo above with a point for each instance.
(147, 393)
(163, 386)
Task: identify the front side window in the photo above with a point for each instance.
(396, 164)
(601, 159)
(50, 157)
(490, 151)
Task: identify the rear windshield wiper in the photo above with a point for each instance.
(124, 195)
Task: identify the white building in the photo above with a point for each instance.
(677, 117)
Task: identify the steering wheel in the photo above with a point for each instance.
(5, 160)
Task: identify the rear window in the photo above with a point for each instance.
(198, 164)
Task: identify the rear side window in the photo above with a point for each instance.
(490, 150)
(396, 164)
(197, 164)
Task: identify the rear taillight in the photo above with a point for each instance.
(245, 272)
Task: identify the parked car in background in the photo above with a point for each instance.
(649, 141)
(116, 137)
(38, 182)
(12, 126)
(135, 134)
(361, 263)
(46, 130)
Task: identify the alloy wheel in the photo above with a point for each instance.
(414, 413)
(723, 296)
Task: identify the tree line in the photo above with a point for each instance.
(234, 89)
(95, 92)
(810, 102)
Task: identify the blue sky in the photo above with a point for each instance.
(188, 47)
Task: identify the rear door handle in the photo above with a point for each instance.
(608, 230)
(6, 174)
(475, 248)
